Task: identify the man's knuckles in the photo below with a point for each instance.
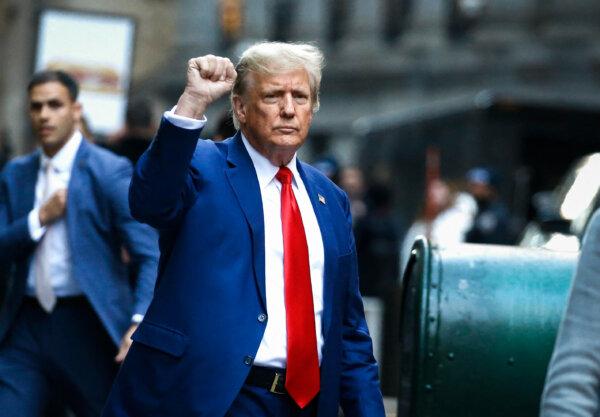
(212, 67)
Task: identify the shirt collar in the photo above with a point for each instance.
(63, 160)
(265, 170)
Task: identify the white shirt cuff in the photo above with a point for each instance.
(137, 318)
(184, 122)
(36, 230)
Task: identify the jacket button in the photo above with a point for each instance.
(248, 360)
(262, 317)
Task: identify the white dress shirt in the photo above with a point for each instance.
(273, 346)
(55, 235)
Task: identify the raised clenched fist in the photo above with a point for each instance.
(208, 78)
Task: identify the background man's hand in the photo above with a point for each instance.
(54, 208)
(125, 343)
(208, 78)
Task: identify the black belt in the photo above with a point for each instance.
(272, 379)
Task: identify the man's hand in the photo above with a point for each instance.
(125, 343)
(54, 208)
(208, 78)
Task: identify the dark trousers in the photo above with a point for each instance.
(253, 401)
(65, 357)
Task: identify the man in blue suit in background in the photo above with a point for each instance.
(257, 310)
(70, 308)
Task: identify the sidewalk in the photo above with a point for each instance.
(391, 406)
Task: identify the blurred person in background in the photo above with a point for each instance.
(329, 166)
(131, 142)
(139, 129)
(257, 310)
(68, 316)
(225, 128)
(452, 212)
(377, 243)
(352, 181)
(492, 221)
(5, 148)
(573, 377)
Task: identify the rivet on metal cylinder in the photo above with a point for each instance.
(414, 255)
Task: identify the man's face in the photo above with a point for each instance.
(275, 113)
(54, 116)
(481, 191)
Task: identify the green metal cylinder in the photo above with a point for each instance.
(478, 324)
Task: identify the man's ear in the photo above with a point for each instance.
(77, 110)
(239, 109)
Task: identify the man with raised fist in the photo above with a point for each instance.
(257, 310)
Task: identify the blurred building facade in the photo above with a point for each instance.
(156, 23)
(386, 59)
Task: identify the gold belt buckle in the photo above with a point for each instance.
(274, 384)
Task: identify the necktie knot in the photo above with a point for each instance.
(50, 168)
(284, 176)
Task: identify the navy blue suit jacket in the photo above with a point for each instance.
(98, 224)
(194, 349)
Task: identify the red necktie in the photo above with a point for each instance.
(302, 373)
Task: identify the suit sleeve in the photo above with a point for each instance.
(15, 240)
(162, 186)
(573, 377)
(360, 388)
(140, 240)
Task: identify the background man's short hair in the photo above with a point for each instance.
(277, 57)
(43, 77)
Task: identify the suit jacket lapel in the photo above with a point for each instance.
(25, 185)
(329, 243)
(76, 183)
(243, 180)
